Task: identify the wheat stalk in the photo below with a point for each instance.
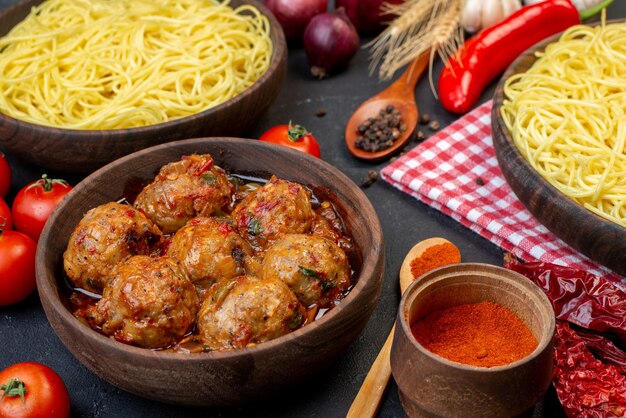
(418, 26)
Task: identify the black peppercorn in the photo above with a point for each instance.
(372, 176)
(380, 132)
(320, 112)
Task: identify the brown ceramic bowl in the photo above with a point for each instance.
(430, 385)
(598, 238)
(71, 150)
(218, 378)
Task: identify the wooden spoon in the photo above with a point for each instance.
(367, 401)
(400, 94)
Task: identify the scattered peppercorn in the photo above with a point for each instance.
(480, 181)
(380, 132)
(320, 112)
(372, 176)
(434, 125)
(420, 136)
(424, 119)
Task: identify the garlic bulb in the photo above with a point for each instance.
(478, 14)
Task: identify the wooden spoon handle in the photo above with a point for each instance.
(367, 401)
(415, 69)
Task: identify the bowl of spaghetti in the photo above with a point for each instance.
(559, 132)
(84, 83)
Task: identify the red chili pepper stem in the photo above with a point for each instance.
(586, 14)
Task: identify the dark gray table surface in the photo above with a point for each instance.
(25, 334)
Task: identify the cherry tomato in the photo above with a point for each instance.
(6, 219)
(32, 390)
(17, 267)
(293, 136)
(34, 203)
(5, 176)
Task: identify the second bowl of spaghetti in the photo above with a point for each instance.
(559, 132)
(84, 83)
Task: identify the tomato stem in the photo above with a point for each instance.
(15, 387)
(46, 183)
(296, 132)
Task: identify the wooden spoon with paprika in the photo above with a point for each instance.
(424, 256)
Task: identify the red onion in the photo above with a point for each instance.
(293, 15)
(366, 14)
(330, 42)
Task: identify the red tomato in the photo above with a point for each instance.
(293, 136)
(5, 176)
(32, 390)
(6, 220)
(17, 267)
(34, 203)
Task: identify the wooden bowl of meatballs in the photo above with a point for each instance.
(239, 265)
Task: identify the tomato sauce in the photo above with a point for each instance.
(328, 222)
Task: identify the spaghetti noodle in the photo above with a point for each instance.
(109, 64)
(567, 116)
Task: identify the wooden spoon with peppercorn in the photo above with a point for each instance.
(425, 256)
(384, 123)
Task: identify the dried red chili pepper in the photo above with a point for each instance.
(488, 53)
(578, 296)
(589, 369)
(604, 349)
(585, 385)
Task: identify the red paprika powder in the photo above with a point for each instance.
(436, 256)
(481, 334)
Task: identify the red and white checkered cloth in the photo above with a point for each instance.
(456, 172)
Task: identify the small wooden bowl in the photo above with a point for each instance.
(73, 150)
(228, 377)
(430, 385)
(597, 238)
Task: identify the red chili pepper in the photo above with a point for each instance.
(579, 297)
(586, 386)
(487, 54)
(589, 367)
(604, 349)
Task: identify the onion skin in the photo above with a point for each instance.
(330, 42)
(365, 14)
(294, 15)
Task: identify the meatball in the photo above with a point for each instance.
(246, 310)
(209, 249)
(277, 208)
(327, 223)
(182, 190)
(149, 303)
(104, 237)
(313, 267)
